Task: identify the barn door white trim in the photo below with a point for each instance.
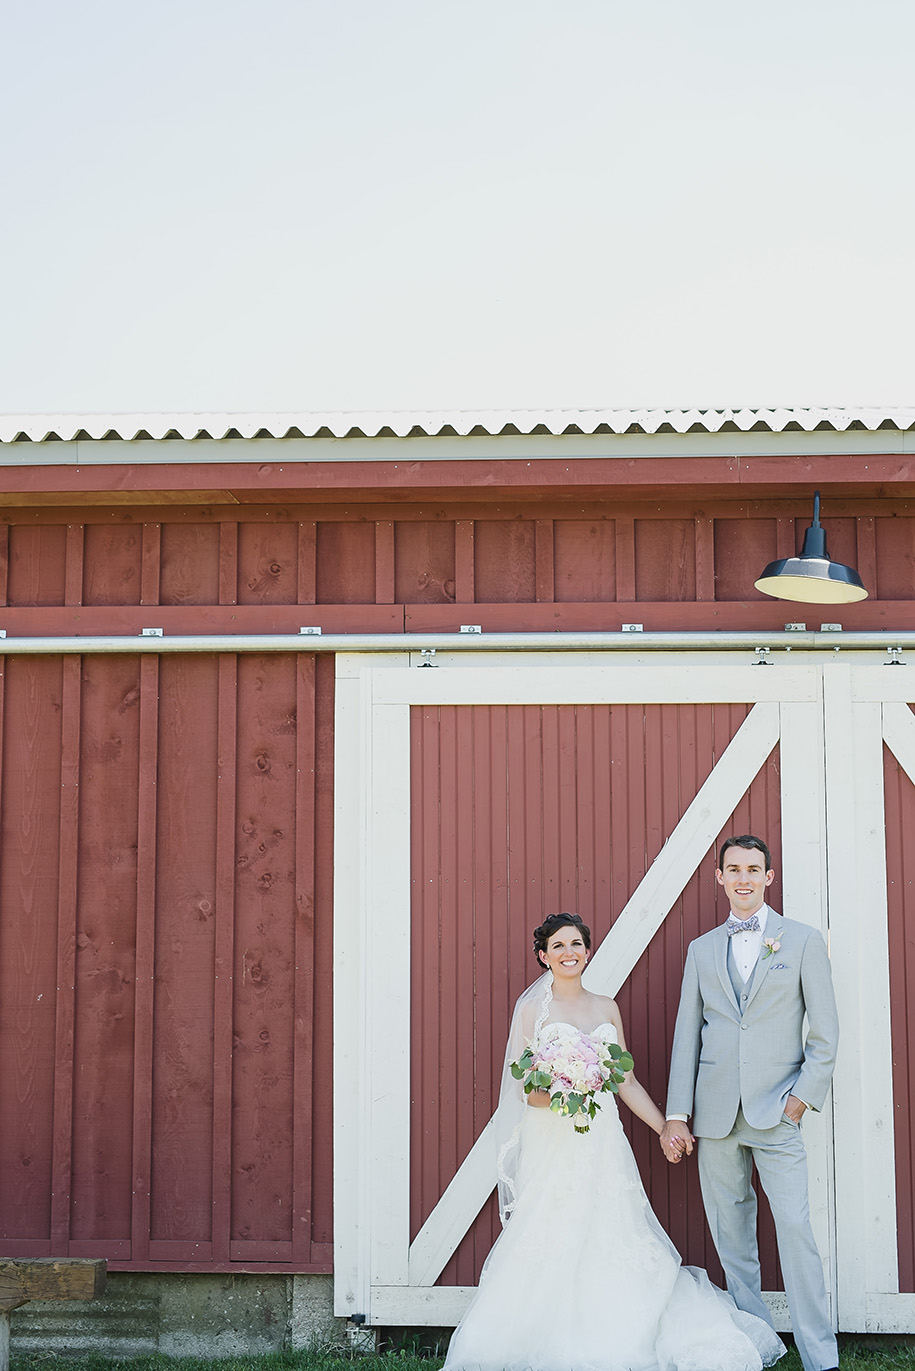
(865, 706)
(377, 1273)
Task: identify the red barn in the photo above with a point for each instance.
(306, 720)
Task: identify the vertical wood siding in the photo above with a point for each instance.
(105, 985)
(164, 826)
(29, 891)
(900, 825)
(517, 812)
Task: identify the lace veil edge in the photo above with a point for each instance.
(529, 1016)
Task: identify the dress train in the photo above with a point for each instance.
(584, 1278)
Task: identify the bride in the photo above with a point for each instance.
(583, 1277)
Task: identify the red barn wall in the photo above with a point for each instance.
(166, 843)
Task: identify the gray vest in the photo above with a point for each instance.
(741, 988)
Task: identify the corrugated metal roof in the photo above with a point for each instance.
(419, 423)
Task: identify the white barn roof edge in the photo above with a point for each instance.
(344, 424)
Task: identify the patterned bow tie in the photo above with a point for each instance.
(750, 925)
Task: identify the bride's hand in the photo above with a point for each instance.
(675, 1139)
(539, 1099)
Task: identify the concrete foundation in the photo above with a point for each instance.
(184, 1315)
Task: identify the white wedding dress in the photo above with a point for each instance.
(584, 1278)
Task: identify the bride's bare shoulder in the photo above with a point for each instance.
(607, 1007)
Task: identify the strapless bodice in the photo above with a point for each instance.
(562, 1023)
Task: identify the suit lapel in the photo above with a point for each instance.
(721, 963)
(774, 925)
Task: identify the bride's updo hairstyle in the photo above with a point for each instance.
(551, 924)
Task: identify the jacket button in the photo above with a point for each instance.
(743, 1028)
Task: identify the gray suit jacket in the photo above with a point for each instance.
(722, 1060)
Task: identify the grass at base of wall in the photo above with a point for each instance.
(415, 1352)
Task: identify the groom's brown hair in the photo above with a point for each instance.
(748, 841)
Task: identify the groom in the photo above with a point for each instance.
(744, 1070)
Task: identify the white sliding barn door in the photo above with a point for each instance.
(389, 1257)
(870, 770)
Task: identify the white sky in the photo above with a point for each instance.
(373, 204)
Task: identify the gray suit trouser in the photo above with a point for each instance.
(725, 1169)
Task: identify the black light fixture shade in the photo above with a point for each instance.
(811, 577)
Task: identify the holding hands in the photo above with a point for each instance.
(676, 1139)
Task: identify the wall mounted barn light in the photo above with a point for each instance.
(811, 576)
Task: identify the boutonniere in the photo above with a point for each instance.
(771, 945)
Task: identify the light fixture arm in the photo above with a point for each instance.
(815, 537)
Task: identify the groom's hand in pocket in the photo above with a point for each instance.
(795, 1108)
(675, 1139)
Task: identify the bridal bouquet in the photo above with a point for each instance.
(575, 1068)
